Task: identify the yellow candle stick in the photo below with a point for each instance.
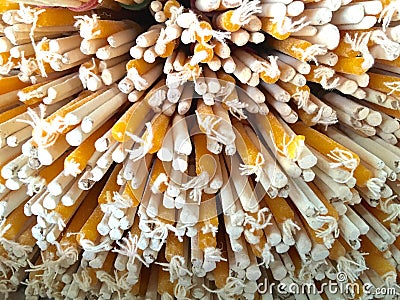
(362, 175)
(165, 286)
(384, 83)
(289, 146)
(377, 262)
(57, 17)
(292, 88)
(295, 257)
(120, 127)
(224, 21)
(9, 114)
(204, 35)
(16, 222)
(11, 83)
(208, 222)
(320, 74)
(5, 58)
(221, 272)
(306, 118)
(173, 247)
(346, 48)
(140, 65)
(26, 238)
(50, 172)
(89, 229)
(353, 65)
(267, 78)
(110, 186)
(337, 153)
(205, 51)
(337, 251)
(158, 170)
(271, 27)
(6, 5)
(76, 162)
(159, 126)
(280, 209)
(63, 214)
(205, 160)
(169, 6)
(134, 122)
(79, 219)
(298, 48)
(331, 209)
(94, 28)
(132, 194)
(169, 48)
(232, 20)
(247, 150)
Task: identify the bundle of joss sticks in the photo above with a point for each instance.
(221, 146)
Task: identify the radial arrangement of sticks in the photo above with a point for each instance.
(199, 149)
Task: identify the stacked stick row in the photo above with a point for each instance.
(214, 168)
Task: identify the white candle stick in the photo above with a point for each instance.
(76, 116)
(19, 137)
(11, 201)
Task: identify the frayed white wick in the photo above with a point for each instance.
(176, 268)
(311, 52)
(209, 125)
(44, 134)
(181, 291)
(243, 13)
(233, 287)
(197, 184)
(236, 107)
(89, 246)
(155, 229)
(388, 13)
(293, 140)
(209, 228)
(128, 246)
(343, 158)
(391, 48)
(391, 208)
(329, 234)
(255, 169)
(286, 25)
(289, 227)
(262, 221)
(161, 179)
(353, 264)
(145, 144)
(360, 43)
